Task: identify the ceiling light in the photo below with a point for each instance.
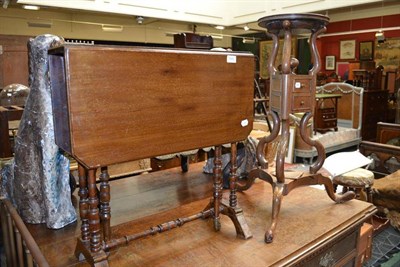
(249, 40)
(112, 28)
(139, 20)
(380, 37)
(40, 23)
(246, 28)
(218, 37)
(219, 27)
(28, 7)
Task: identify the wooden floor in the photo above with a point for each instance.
(308, 217)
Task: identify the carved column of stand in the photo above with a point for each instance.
(290, 93)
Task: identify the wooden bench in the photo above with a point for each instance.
(117, 104)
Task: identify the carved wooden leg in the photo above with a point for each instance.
(105, 210)
(89, 246)
(217, 194)
(218, 205)
(94, 218)
(276, 207)
(368, 191)
(232, 210)
(345, 196)
(233, 177)
(83, 202)
(83, 209)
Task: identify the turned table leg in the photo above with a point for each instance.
(233, 177)
(83, 203)
(105, 210)
(89, 245)
(231, 209)
(94, 218)
(217, 186)
(83, 212)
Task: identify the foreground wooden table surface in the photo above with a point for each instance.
(307, 227)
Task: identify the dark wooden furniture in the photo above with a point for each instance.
(13, 60)
(386, 156)
(310, 232)
(364, 246)
(19, 247)
(375, 105)
(290, 93)
(178, 160)
(7, 114)
(375, 101)
(117, 104)
(192, 41)
(386, 166)
(369, 77)
(325, 117)
(386, 132)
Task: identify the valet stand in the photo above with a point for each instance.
(96, 241)
(290, 93)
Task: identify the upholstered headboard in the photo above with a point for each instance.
(349, 111)
(349, 115)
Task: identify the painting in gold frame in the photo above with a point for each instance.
(265, 52)
(347, 49)
(387, 54)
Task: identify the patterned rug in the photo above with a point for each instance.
(385, 249)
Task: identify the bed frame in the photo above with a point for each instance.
(349, 123)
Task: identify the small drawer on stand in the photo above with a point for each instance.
(301, 86)
(301, 103)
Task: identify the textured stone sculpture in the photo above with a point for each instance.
(41, 188)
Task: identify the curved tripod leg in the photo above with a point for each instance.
(276, 207)
(244, 184)
(327, 182)
(320, 148)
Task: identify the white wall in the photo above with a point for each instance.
(82, 25)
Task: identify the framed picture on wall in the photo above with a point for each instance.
(348, 49)
(330, 62)
(265, 52)
(367, 50)
(342, 69)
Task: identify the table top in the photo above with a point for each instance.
(116, 104)
(309, 21)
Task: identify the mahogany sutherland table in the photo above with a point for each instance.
(310, 232)
(114, 104)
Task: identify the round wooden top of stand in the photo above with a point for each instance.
(306, 21)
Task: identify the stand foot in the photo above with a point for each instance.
(239, 221)
(97, 259)
(276, 207)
